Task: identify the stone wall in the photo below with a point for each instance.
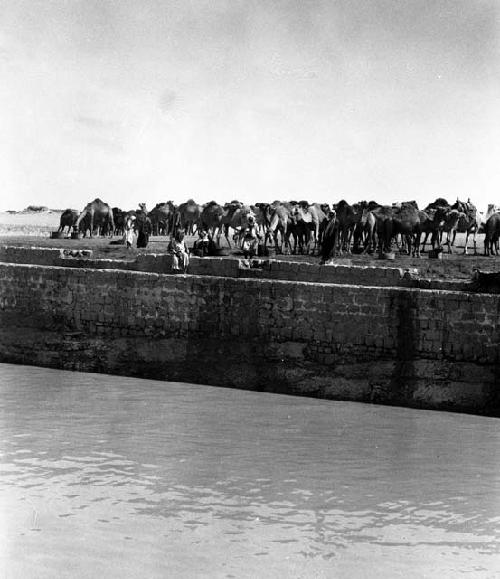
(423, 348)
(346, 273)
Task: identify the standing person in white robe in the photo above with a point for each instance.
(129, 231)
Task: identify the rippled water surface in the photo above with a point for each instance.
(105, 476)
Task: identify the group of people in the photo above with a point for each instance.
(140, 224)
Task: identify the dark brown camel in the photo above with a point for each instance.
(346, 222)
(162, 218)
(406, 222)
(384, 227)
(469, 223)
(449, 226)
(187, 216)
(119, 220)
(68, 219)
(211, 220)
(308, 222)
(492, 234)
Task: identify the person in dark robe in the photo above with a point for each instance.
(144, 226)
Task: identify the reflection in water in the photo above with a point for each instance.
(112, 476)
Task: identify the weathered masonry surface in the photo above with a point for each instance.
(266, 268)
(394, 345)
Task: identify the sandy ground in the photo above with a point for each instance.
(34, 229)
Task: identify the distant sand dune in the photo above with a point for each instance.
(27, 223)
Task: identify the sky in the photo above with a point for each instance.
(255, 100)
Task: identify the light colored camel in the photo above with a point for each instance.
(100, 215)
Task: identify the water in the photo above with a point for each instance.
(106, 476)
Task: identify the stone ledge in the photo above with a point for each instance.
(271, 269)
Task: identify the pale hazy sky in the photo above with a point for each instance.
(256, 100)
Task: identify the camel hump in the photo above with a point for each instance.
(94, 204)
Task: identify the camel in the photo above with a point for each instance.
(346, 222)
(119, 220)
(101, 217)
(430, 223)
(309, 219)
(406, 222)
(216, 219)
(211, 220)
(491, 210)
(449, 224)
(262, 213)
(358, 233)
(162, 218)
(364, 229)
(228, 215)
(402, 219)
(492, 230)
(383, 215)
(187, 217)
(239, 220)
(436, 219)
(282, 222)
(68, 219)
(469, 223)
(439, 202)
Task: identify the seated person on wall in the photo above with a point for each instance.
(203, 245)
(250, 238)
(179, 251)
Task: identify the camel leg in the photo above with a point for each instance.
(288, 243)
(449, 241)
(276, 246)
(453, 237)
(416, 248)
(466, 242)
(368, 242)
(486, 246)
(424, 242)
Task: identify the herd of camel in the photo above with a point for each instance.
(301, 227)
